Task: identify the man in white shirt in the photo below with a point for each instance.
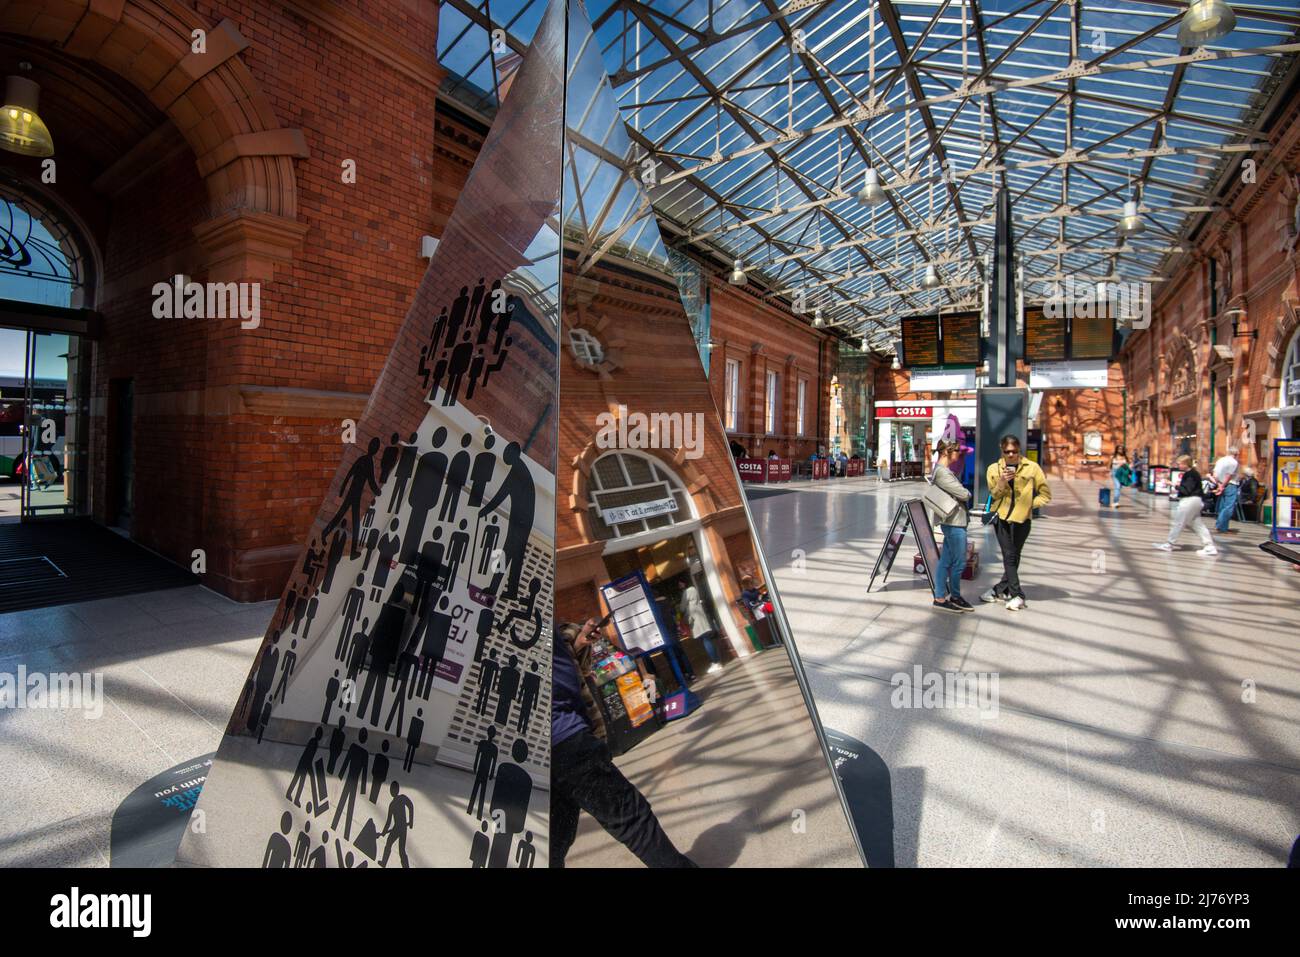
(1225, 477)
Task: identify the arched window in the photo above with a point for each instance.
(1291, 374)
(631, 493)
(42, 256)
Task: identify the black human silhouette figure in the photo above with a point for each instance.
(379, 772)
(385, 641)
(413, 739)
(485, 318)
(265, 719)
(311, 563)
(278, 852)
(487, 676)
(312, 606)
(369, 541)
(475, 304)
(529, 694)
(476, 371)
(389, 546)
(526, 851)
(510, 797)
(286, 672)
(502, 352)
(507, 687)
(406, 664)
(302, 847)
(484, 629)
(389, 458)
(425, 488)
(299, 609)
(352, 606)
(517, 488)
(360, 477)
(356, 764)
(266, 671)
(499, 347)
(529, 609)
(332, 559)
(319, 857)
(457, 476)
(439, 330)
(478, 848)
(401, 818)
(457, 366)
(485, 765)
(487, 545)
(290, 604)
(427, 571)
(459, 307)
(405, 468)
(338, 738)
(331, 695)
(359, 649)
(457, 551)
(436, 630)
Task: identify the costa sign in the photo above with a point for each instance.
(905, 412)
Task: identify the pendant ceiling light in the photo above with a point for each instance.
(1205, 20)
(931, 280)
(871, 193)
(1130, 224)
(737, 277)
(21, 128)
(818, 321)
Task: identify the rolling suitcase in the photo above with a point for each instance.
(1103, 497)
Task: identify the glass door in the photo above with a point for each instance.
(54, 427)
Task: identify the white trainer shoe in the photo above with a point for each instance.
(1163, 546)
(713, 669)
(1016, 604)
(990, 595)
(1207, 551)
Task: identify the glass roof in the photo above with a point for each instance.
(762, 118)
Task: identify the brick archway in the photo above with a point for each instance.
(243, 154)
(693, 480)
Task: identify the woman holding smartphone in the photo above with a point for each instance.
(1016, 487)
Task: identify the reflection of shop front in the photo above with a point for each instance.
(908, 431)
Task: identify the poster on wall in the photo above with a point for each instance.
(1286, 494)
(632, 609)
(396, 713)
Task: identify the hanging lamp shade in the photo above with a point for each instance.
(1130, 224)
(818, 321)
(21, 128)
(1205, 20)
(871, 193)
(931, 280)
(737, 277)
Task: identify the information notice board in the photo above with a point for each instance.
(1044, 337)
(911, 514)
(1092, 337)
(1286, 491)
(921, 342)
(961, 339)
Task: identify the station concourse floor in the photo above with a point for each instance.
(1121, 737)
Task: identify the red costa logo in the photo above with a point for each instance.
(906, 412)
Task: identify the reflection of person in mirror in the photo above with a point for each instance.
(583, 774)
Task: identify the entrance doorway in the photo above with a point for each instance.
(44, 416)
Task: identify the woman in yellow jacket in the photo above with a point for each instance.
(1017, 487)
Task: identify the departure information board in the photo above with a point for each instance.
(1092, 338)
(961, 339)
(1044, 337)
(921, 342)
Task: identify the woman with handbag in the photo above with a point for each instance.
(947, 498)
(1016, 487)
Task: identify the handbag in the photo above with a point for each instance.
(940, 501)
(989, 516)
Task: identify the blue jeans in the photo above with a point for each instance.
(952, 561)
(1227, 506)
(1115, 481)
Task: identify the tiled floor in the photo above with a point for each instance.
(1126, 733)
(1123, 735)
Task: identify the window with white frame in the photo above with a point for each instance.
(773, 396)
(636, 494)
(586, 347)
(800, 421)
(733, 395)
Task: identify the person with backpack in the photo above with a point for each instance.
(947, 499)
(1016, 487)
(1188, 510)
(1121, 474)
